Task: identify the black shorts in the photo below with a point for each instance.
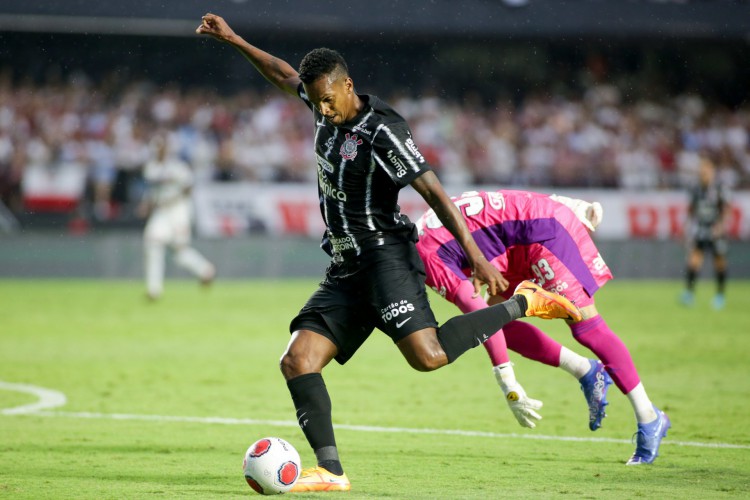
(716, 246)
(387, 293)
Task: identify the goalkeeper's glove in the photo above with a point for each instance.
(590, 214)
(523, 407)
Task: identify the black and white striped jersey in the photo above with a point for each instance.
(362, 165)
(707, 204)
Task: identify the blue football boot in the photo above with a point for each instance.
(594, 386)
(648, 439)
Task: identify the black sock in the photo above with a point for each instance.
(691, 275)
(331, 466)
(721, 280)
(313, 405)
(328, 458)
(461, 333)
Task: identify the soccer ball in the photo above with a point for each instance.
(271, 466)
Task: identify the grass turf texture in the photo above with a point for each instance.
(215, 353)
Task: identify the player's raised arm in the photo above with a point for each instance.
(275, 70)
(429, 187)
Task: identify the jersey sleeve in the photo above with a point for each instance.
(394, 151)
(725, 197)
(302, 95)
(184, 175)
(693, 197)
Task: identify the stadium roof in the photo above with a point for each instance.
(494, 18)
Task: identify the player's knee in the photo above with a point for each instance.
(426, 360)
(422, 351)
(293, 365)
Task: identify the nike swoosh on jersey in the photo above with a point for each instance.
(401, 323)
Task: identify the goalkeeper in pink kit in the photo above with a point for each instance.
(530, 235)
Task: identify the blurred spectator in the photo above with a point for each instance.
(546, 140)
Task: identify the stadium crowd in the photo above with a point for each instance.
(99, 134)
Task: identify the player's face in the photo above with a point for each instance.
(333, 98)
(706, 172)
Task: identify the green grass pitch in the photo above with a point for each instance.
(163, 399)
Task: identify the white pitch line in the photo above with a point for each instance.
(365, 428)
(51, 399)
(48, 398)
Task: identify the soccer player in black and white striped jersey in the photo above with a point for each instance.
(365, 154)
(708, 213)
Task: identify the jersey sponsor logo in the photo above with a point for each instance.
(328, 189)
(557, 286)
(598, 263)
(396, 309)
(397, 163)
(348, 149)
(324, 164)
(413, 148)
(362, 130)
(342, 244)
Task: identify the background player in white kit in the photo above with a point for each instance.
(169, 181)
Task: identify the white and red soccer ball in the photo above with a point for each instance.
(271, 466)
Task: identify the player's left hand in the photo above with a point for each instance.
(485, 273)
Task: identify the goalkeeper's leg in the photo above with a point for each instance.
(652, 422)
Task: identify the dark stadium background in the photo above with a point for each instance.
(472, 51)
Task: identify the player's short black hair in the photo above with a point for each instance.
(319, 62)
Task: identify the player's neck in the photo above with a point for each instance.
(358, 105)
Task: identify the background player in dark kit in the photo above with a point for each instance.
(708, 210)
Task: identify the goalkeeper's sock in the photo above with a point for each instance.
(313, 405)
(574, 363)
(642, 406)
(532, 343)
(496, 349)
(596, 335)
(461, 333)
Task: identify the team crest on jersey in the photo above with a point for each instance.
(349, 147)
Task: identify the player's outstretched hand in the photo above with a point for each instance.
(485, 273)
(215, 26)
(523, 407)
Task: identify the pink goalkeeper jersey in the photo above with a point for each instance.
(524, 235)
